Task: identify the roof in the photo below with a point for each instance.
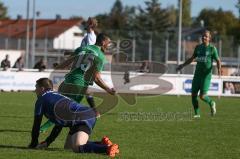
(186, 31)
(49, 28)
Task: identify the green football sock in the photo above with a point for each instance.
(46, 126)
(195, 105)
(207, 100)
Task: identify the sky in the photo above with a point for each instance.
(85, 8)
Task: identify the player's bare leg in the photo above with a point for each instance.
(78, 139)
(80, 144)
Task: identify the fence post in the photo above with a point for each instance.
(184, 50)
(238, 59)
(150, 49)
(19, 44)
(118, 50)
(133, 50)
(166, 50)
(220, 48)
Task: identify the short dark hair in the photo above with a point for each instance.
(45, 83)
(100, 38)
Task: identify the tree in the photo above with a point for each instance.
(186, 13)
(102, 21)
(147, 25)
(3, 11)
(217, 20)
(152, 18)
(224, 25)
(172, 15)
(235, 32)
(119, 18)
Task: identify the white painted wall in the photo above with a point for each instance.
(67, 40)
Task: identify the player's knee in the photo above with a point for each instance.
(194, 94)
(194, 97)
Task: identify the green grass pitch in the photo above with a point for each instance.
(156, 127)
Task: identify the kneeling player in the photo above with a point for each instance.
(64, 112)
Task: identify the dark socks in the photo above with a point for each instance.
(93, 147)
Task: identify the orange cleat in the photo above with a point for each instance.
(106, 141)
(113, 150)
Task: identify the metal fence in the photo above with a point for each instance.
(139, 46)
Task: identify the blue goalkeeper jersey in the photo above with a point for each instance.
(63, 111)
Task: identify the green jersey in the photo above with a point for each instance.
(204, 57)
(89, 59)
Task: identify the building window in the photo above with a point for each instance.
(77, 34)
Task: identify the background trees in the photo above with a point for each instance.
(3, 11)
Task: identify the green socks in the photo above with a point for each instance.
(195, 105)
(46, 126)
(207, 100)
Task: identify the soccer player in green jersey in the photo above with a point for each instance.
(90, 39)
(86, 68)
(204, 54)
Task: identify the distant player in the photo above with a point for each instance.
(204, 54)
(64, 112)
